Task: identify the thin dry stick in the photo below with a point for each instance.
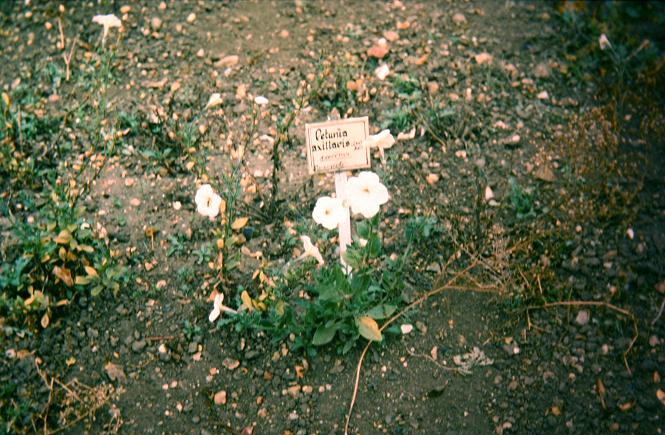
(68, 60)
(420, 300)
(660, 312)
(429, 357)
(61, 45)
(619, 310)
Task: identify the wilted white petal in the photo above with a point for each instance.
(489, 194)
(207, 201)
(214, 314)
(382, 72)
(382, 140)
(214, 100)
(328, 212)
(261, 100)
(217, 307)
(311, 250)
(407, 136)
(604, 42)
(107, 21)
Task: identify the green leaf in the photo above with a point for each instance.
(324, 335)
(96, 290)
(368, 328)
(83, 280)
(374, 246)
(363, 229)
(360, 283)
(381, 311)
(328, 292)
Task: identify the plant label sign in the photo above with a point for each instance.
(337, 145)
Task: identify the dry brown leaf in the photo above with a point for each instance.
(626, 406)
(246, 301)
(661, 396)
(91, 271)
(63, 238)
(239, 223)
(368, 328)
(45, 321)
(555, 410)
(661, 287)
(115, 372)
(64, 274)
(70, 361)
(422, 59)
(150, 232)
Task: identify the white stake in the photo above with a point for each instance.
(345, 224)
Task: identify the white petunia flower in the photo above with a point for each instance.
(107, 21)
(366, 194)
(214, 100)
(382, 72)
(382, 140)
(207, 201)
(218, 307)
(261, 100)
(604, 42)
(311, 250)
(328, 212)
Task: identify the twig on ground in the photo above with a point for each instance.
(448, 286)
(429, 357)
(160, 337)
(660, 312)
(619, 310)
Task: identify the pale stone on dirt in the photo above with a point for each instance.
(220, 397)
(227, 61)
(391, 35)
(135, 202)
(542, 71)
(543, 95)
(191, 18)
(544, 173)
(582, 317)
(489, 194)
(155, 23)
(459, 18)
(378, 51)
(483, 58)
